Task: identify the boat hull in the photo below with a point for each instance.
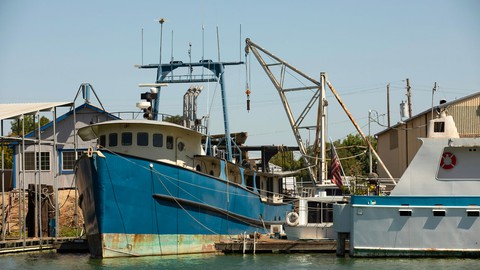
(414, 226)
(310, 231)
(138, 207)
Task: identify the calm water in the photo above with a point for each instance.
(52, 260)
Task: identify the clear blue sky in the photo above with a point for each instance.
(48, 48)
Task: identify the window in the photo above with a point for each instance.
(158, 140)
(142, 139)
(250, 182)
(42, 160)
(169, 142)
(320, 212)
(438, 212)
(126, 138)
(405, 212)
(103, 140)
(112, 139)
(181, 146)
(439, 127)
(68, 160)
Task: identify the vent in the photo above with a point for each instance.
(405, 212)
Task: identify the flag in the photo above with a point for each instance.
(336, 168)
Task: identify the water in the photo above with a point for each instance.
(53, 260)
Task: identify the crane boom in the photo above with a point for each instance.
(319, 95)
(294, 123)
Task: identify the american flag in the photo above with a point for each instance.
(335, 168)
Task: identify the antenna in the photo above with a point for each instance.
(218, 45)
(171, 54)
(161, 21)
(203, 42)
(142, 46)
(240, 47)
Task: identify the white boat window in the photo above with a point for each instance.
(158, 140)
(169, 142)
(112, 139)
(126, 138)
(142, 139)
(439, 127)
(103, 140)
(181, 146)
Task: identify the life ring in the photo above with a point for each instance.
(292, 219)
(448, 161)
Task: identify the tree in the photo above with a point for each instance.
(16, 130)
(30, 124)
(353, 152)
(286, 161)
(176, 119)
(8, 154)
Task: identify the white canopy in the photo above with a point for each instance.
(9, 111)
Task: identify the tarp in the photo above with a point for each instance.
(14, 110)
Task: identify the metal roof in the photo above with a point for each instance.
(455, 101)
(9, 111)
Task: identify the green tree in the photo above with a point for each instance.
(8, 155)
(16, 130)
(285, 160)
(353, 152)
(30, 124)
(176, 119)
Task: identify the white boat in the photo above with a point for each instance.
(313, 217)
(433, 211)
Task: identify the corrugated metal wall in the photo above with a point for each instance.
(467, 117)
(466, 114)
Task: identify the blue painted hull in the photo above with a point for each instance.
(133, 206)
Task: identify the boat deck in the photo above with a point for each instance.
(61, 244)
(277, 246)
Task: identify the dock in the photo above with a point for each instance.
(277, 246)
(61, 244)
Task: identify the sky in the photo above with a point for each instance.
(48, 48)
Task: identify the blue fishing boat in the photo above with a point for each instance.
(151, 187)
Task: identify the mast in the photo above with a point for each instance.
(216, 75)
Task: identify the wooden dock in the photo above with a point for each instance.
(277, 246)
(61, 244)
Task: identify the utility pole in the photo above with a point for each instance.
(433, 92)
(388, 104)
(369, 150)
(409, 98)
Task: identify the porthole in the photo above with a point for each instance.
(181, 146)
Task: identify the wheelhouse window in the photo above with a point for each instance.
(126, 138)
(103, 140)
(320, 212)
(158, 140)
(40, 160)
(249, 182)
(169, 142)
(439, 127)
(142, 139)
(112, 139)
